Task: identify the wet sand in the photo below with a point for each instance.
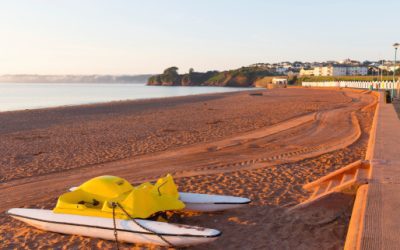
(274, 135)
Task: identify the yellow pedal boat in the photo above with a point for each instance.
(97, 196)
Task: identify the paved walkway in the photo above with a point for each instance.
(397, 107)
(381, 219)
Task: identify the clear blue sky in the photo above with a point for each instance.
(146, 36)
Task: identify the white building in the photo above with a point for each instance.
(280, 81)
(339, 70)
(388, 67)
(306, 72)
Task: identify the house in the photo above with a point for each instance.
(281, 70)
(280, 81)
(373, 70)
(357, 71)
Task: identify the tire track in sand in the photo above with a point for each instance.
(289, 141)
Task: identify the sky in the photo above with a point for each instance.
(147, 36)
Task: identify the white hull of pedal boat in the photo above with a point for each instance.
(128, 231)
(208, 202)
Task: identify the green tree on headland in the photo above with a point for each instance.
(171, 76)
(171, 71)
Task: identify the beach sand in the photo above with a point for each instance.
(49, 143)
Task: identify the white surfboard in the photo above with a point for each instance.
(98, 227)
(211, 203)
(208, 202)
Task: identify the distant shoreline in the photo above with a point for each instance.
(73, 83)
(27, 78)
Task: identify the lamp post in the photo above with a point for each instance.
(396, 46)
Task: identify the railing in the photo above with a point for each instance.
(355, 84)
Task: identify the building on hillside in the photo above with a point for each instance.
(350, 62)
(389, 68)
(281, 70)
(373, 70)
(336, 70)
(357, 71)
(306, 72)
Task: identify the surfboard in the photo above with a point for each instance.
(148, 232)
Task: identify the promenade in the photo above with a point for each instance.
(375, 222)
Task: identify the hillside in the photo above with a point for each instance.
(242, 77)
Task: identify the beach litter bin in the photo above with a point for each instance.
(388, 97)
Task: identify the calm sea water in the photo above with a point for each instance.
(18, 96)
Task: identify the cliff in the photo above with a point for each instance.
(242, 77)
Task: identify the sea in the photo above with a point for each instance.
(22, 96)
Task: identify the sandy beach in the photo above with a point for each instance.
(264, 147)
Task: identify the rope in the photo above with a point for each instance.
(158, 189)
(143, 227)
(115, 226)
